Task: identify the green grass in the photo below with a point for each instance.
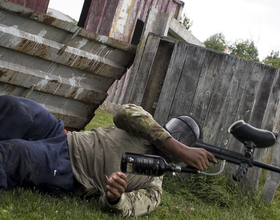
(193, 197)
(100, 119)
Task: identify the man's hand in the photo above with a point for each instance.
(116, 185)
(196, 157)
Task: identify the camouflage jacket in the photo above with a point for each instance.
(97, 153)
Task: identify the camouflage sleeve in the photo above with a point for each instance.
(136, 121)
(136, 202)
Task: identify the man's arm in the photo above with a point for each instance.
(196, 157)
(134, 203)
(136, 121)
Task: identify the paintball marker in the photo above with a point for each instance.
(250, 136)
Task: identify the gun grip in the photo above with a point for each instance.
(240, 172)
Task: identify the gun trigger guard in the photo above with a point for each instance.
(214, 174)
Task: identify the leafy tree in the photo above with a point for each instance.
(242, 48)
(186, 21)
(216, 42)
(273, 59)
(245, 49)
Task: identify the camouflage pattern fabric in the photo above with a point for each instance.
(136, 121)
(97, 153)
(136, 202)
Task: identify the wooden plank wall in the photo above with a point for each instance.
(159, 23)
(217, 89)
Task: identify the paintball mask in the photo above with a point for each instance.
(185, 130)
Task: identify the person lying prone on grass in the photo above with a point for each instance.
(36, 151)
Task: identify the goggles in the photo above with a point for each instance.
(184, 129)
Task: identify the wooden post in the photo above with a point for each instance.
(273, 179)
(157, 76)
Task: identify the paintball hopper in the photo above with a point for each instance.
(248, 134)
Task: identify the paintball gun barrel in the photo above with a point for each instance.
(250, 136)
